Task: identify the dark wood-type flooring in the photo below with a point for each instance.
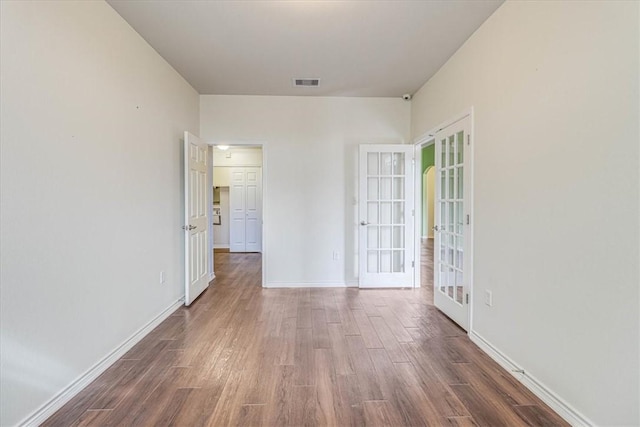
(426, 268)
(243, 355)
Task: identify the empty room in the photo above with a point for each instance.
(345, 213)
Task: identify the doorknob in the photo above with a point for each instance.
(189, 227)
(364, 223)
(436, 228)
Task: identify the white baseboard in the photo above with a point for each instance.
(65, 395)
(555, 402)
(352, 283)
(221, 246)
(305, 285)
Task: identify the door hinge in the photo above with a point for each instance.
(468, 219)
(468, 139)
(467, 298)
(413, 264)
(413, 212)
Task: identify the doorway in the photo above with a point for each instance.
(237, 211)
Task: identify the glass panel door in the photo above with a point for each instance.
(451, 222)
(386, 198)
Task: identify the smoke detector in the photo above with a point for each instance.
(306, 82)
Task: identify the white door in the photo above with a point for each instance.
(245, 206)
(386, 216)
(253, 206)
(452, 246)
(196, 229)
(237, 211)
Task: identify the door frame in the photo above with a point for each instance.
(244, 144)
(419, 143)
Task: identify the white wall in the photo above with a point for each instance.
(92, 119)
(221, 176)
(237, 156)
(554, 86)
(310, 179)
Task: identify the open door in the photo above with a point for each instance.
(386, 216)
(196, 229)
(452, 245)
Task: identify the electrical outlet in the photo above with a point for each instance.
(336, 256)
(161, 277)
(488, 298)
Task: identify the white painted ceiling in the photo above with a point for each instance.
(356, 48)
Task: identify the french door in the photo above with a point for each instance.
(452, 245)
(196, 229)
(386, 216)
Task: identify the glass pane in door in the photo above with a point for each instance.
(460, 147)
(372, 261)
(372, 163)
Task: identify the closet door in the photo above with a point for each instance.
(237, 210)
(253, 206)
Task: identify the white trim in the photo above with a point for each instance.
(220, 246)
(472, 215)
(555, 402)
(417, 210)
(430, 134)
(306, 285)
(210, 237)
(41, 414)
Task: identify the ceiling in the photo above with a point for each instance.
(356, 48)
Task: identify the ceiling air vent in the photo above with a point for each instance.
(306, 82)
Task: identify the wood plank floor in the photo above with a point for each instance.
(243, 355)
(426, 268)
